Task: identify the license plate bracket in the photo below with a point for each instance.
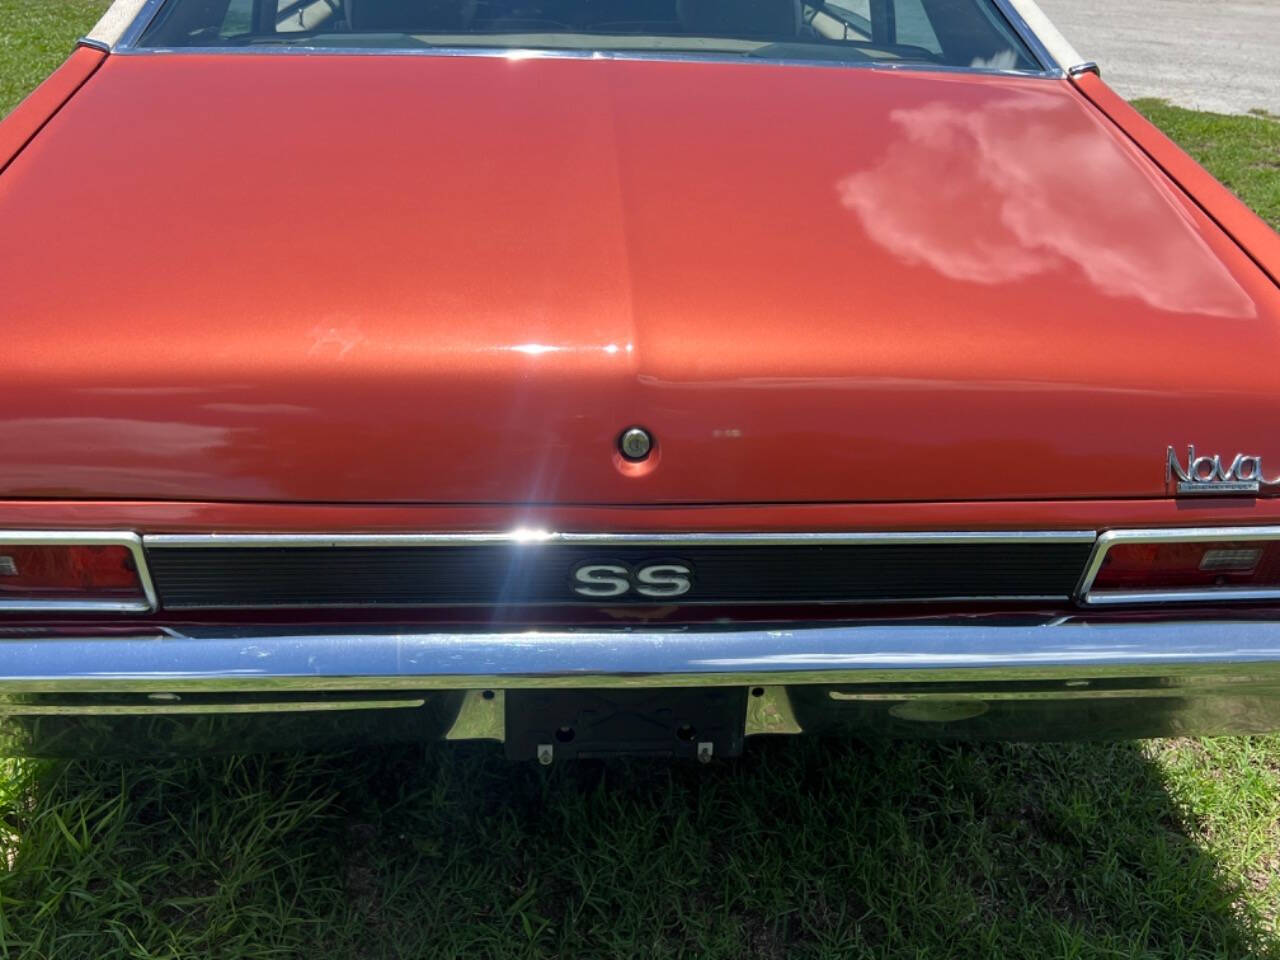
(693, 723)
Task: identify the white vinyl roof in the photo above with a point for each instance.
(111, 27)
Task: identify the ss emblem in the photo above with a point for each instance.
(613, 579)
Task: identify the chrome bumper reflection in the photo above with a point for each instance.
(981, 677)
(978, 648)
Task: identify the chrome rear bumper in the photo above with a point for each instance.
(980, 677)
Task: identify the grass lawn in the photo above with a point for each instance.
(1242, 152)
(907, 850)
(36, 36)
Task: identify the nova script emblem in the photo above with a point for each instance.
(1209, 476)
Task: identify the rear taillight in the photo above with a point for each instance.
(1137, 566)
(72, 572)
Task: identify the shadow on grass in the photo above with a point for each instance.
(801, 848)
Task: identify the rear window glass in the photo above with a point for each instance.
(954, 33)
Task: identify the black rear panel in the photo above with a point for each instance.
(495, 574)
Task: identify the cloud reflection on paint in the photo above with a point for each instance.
(1033, 185)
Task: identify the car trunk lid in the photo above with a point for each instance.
(459, 279)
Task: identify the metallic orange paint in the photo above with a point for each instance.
(456, 279)
(176, 517)
(1250, 230)
(26, 119)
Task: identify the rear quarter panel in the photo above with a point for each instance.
(1249, 230)
(19, 127)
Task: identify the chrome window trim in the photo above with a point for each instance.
(120, 36)
(1056, 55)
(549, 53)
(534, 537)
(82, 538)
(1037, 29)
(1090, 597)
(1012, 11)
(1027, 34)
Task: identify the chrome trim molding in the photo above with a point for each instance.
(1086, 66)
(123, 22)
(1056, 599)
(547, 53)
(1090, 597)
(531, 537)
(100, 45)
(177, 708)
(534, 538)
(1040, 32)
(77, 538)
(1023, 29)
(1174, 654)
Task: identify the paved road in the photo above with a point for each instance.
(1221, 55)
